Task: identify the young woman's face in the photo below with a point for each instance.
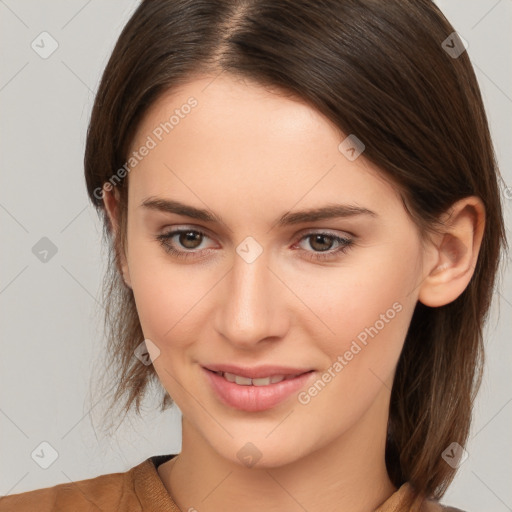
(267, 286)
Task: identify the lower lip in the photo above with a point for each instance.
(255, 398)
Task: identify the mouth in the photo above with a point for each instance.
(256, 372)
(258, 393)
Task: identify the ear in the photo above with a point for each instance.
(455, 253)
(111, 202)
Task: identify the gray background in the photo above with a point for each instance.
(51, 337)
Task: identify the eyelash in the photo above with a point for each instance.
(345, 245)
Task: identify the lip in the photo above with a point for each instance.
(256, 372)
(255, 398)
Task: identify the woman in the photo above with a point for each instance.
(303, 208)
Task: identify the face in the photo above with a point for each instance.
(258, 285)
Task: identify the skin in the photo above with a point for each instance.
(250, 155)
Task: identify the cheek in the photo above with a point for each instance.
(367, 308)
(164, 293)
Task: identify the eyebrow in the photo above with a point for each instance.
(329, 211)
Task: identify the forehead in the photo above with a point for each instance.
(233, 139)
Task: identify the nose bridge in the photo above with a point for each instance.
(250, 308)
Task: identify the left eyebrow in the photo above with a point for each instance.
(329, 211)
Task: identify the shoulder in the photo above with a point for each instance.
(435, 506)
(111, 491)
(407, 499)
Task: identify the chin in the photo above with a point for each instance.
(264, 454)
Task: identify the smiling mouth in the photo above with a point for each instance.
(259, 393)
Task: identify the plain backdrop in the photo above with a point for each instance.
(51, 335)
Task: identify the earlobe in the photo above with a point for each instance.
(456, 254)
(111, 203)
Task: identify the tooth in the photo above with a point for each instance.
(244, 381)
(261, 382)
(229, 376)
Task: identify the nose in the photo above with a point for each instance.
(252, 308)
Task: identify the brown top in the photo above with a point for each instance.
(140, 489)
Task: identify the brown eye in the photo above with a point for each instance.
(324, 246)
(321, 242)
(189, 239)
(183, 243)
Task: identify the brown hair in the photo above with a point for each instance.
(378, 70)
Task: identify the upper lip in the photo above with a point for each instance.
(256, 372)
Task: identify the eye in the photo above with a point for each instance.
(190, 240)
(319, 241)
